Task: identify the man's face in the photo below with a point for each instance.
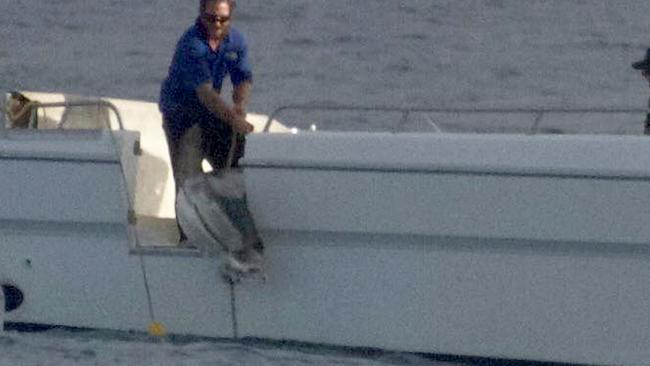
(216, 18)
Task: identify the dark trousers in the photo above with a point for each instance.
(188, 147)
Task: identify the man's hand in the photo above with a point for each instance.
(240, 125)
(235, 116)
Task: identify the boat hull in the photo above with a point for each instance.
(510, 246)
(493, 246)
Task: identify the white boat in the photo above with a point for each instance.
(513, 246)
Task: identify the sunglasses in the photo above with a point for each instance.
(214, 18)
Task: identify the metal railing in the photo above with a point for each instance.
(537, 113)
(88, 103)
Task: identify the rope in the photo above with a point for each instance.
(130, 212)
(231, 285)
(152, 317)
(233, 311)
(2, 310)
(231, 151)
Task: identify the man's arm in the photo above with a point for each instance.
(240, 96)
(213, 102)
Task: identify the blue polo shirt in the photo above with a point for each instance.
(193, 64)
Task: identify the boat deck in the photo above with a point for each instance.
(158, 236)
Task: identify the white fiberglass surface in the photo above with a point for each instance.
(449, 53)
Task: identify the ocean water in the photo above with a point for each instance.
(409, 53)
(111, 349)
(434, 53)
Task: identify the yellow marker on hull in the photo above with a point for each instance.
(157, 329)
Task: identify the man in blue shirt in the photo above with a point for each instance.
(198, 123)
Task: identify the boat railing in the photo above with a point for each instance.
(36, 106)
(537, 114)
(99, 103)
